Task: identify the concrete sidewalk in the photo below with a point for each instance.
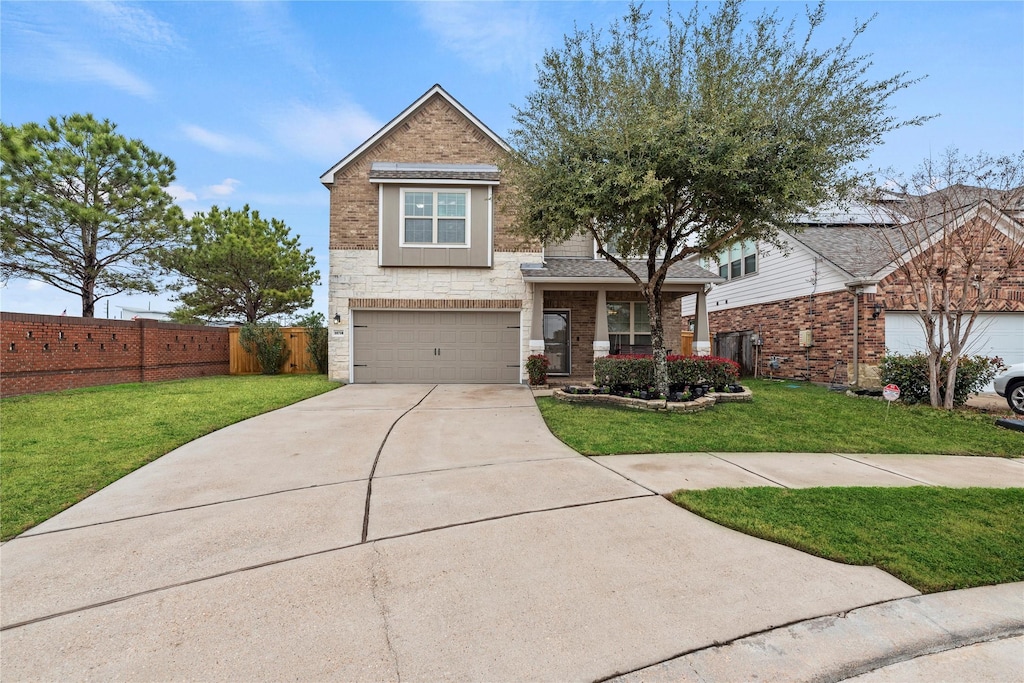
(415, 532)
(667, 472)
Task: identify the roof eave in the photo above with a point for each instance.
(617, 280)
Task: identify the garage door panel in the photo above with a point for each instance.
(994, 334)
(436, 346)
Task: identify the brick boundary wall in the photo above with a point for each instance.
(49, 353)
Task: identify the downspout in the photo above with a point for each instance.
(856, 337)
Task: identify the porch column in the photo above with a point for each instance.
(537, 321)
(701, 333)
(601, 345)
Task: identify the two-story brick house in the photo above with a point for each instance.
(829, 305)
(428, 283)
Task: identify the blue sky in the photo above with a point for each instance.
(253, 100)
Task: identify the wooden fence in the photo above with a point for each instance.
(299, 361)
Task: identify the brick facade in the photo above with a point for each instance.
(829, 317)
(434, 133)
(49, 353)
(1004, 285)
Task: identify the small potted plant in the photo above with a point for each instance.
(537, 369)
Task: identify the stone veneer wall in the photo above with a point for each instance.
(779, 324)
(355, 274)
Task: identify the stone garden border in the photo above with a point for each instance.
(696, 406)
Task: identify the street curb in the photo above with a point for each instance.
(840, 646)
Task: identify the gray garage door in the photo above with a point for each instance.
(471, 347)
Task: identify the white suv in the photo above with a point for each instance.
(1011, 385)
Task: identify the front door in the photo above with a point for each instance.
(556, 341)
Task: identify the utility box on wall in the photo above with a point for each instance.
(805, 338)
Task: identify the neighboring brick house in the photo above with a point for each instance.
(429, 284)
(835, 294)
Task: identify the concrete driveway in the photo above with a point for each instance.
(386, 533)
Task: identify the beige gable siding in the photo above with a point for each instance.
(580, 246)
(434, 133)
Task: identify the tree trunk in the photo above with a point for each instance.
(653, 299)
(954, 363)
(88, 302)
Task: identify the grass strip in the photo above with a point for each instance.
(58, 448)
(784, 417)
(932, 538)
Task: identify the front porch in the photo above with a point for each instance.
(577, 318)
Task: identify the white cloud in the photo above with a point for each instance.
(134, 24)
(35, 285)
(225, 188)
(86, 67)
(322, 134)
(224, 144)
(180, 193)
(489, 36)
(311, 198)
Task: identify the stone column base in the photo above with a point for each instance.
(601, 349)
(536, 346)
(701, 348)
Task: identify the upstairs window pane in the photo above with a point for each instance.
(451, 204)
(419, 230)
(451, 230)
(419, 203)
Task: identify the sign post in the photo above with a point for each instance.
(890, 393)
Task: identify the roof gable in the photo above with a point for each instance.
(328, 176)
(866, 251)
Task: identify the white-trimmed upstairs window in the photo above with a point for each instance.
(737, 261)
(435, 218)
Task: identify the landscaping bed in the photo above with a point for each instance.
(677, 402)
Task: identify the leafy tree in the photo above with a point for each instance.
(241, 267)
(82, 208)
(316, 339)
(665, 146)
(957, 250)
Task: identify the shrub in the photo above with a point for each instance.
(316, 339)
(636, 373)
(910, 374)
(537, 368)
(267, 343)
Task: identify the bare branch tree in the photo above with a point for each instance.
(957, 248)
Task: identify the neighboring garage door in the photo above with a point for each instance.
(465, 347)
(994, 334)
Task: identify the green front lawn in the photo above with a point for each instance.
(783, 417)
(932, 538)
(58, 448)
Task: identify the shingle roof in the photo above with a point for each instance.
(389, 170)
(860, 250)
(600, 269)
